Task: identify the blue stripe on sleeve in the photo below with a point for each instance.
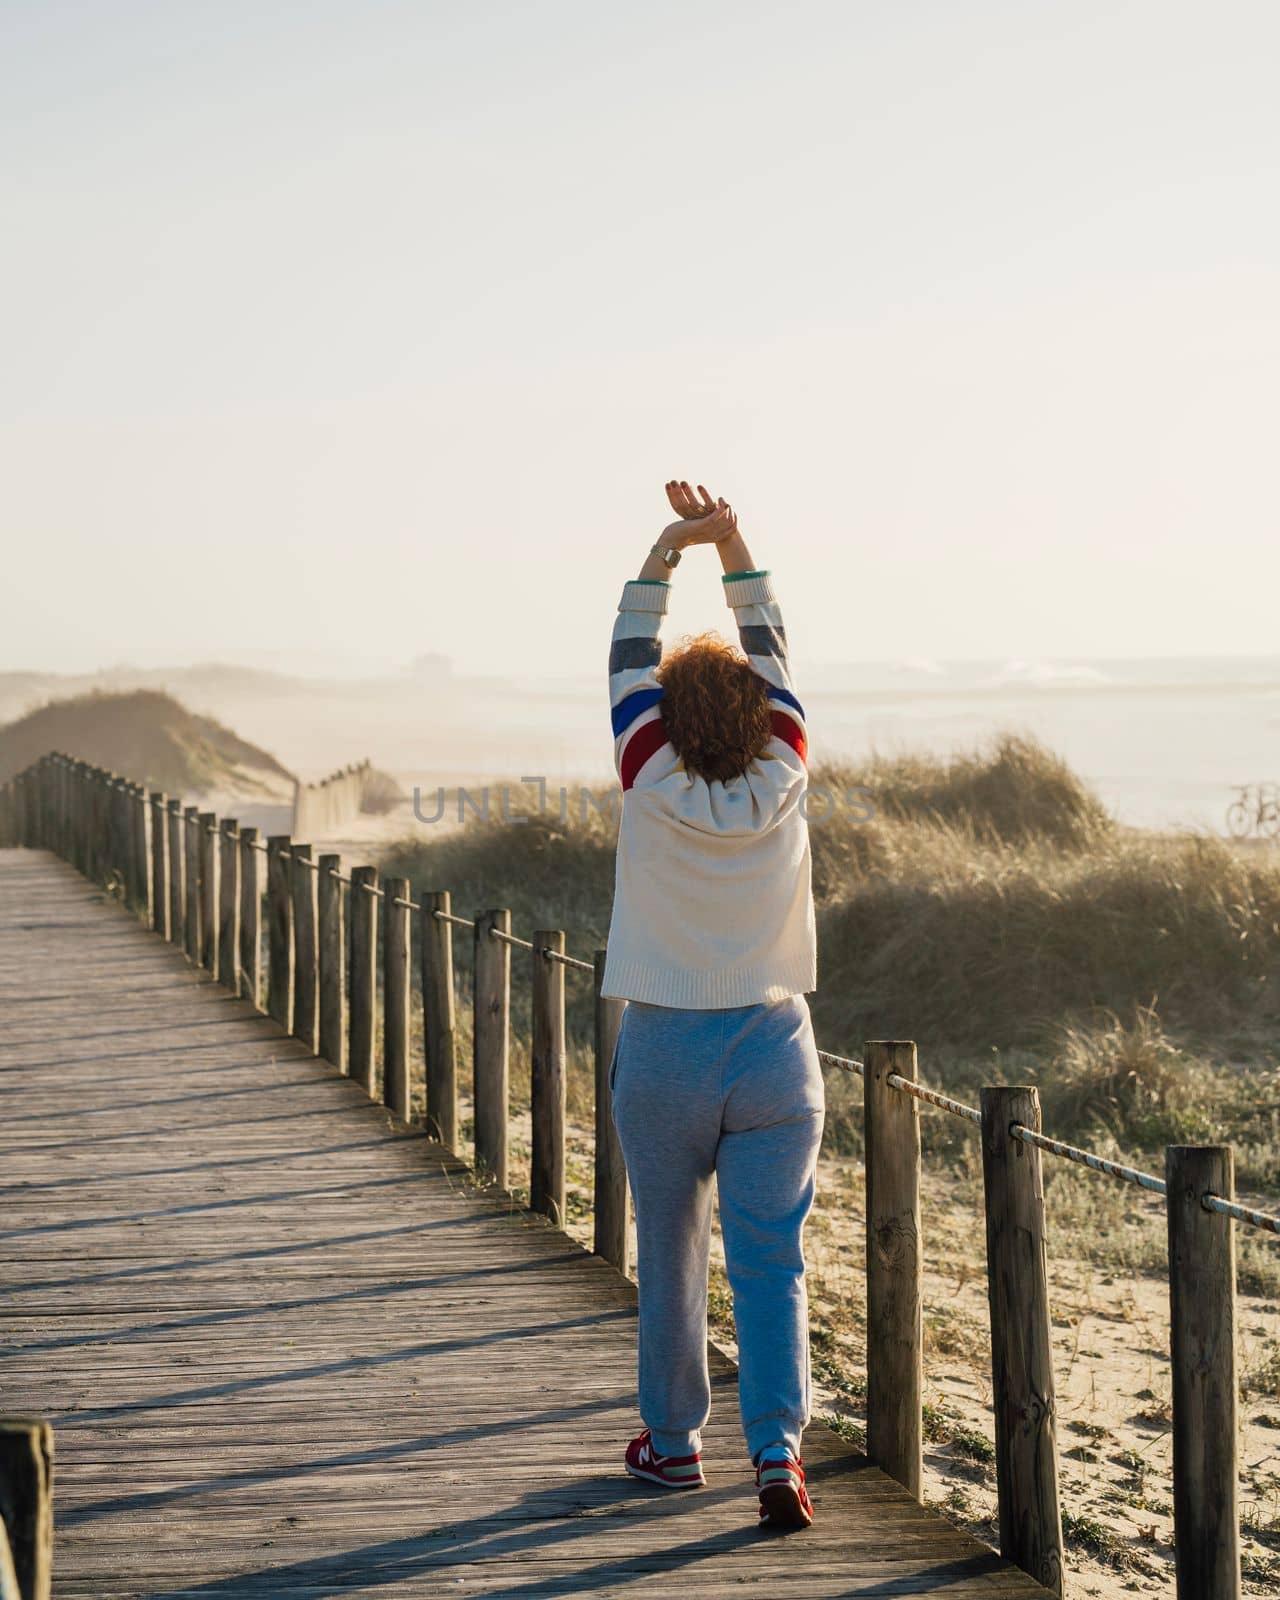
(785, 694)
(631, 706)
(763, 638)
(639, 651)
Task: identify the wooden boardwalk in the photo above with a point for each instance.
(288, 1351)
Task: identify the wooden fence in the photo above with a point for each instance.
(322, 807)
(200, 884)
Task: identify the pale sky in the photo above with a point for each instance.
(338, 332)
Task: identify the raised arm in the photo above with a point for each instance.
(749, 591)
(635, 648)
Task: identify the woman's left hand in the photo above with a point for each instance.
(706, 521)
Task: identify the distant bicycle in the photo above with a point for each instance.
(1256, 810)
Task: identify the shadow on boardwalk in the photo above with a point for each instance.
(289, 1351)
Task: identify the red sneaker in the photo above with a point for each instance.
(784, 1500)
(672, 1472)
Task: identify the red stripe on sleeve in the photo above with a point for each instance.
(648, 738)
(786, 727)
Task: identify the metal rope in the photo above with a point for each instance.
(510, 938)
(568, 961)
(448, 916)
(334, 873)
(409, 905)
(370, 888)
(845, 1063)
(1086, 1158)
(955, 1107)
(1229, 1208)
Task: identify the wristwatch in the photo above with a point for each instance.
(668, 553)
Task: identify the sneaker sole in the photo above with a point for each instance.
(665, 1483)
(783, 1507)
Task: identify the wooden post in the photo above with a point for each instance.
(141, 849)
(361, 1022)
(101, 824)
(76, 783)
(208, 835)
(491, 986)
(332, 953)
(229, 905)
(279, 932)
(121, 837)
(191, 853)
(302, 883)
(895, 1347)
(547, 1089)
(105, 817)
(250, 918)
(125, 845)
(160, 863)
(396, 996)
(174, 830)
(395, 1008)
(1202, 1298)
(612, 1223)
(1021, 1347)
(26, 1502)
(92, 823)
(110, 831)
(439, 1027)
(64, 807)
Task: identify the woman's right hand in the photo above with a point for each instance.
(701, 522)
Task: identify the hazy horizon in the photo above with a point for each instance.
(356, 332)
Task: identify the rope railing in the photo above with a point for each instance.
(566, 960)
(1086, 1158)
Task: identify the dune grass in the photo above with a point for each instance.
(991, 910)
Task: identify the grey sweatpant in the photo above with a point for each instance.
(735, 1093)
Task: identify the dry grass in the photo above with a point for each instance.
(991, 911)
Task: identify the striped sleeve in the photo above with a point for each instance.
(764, 642)
(634, 691)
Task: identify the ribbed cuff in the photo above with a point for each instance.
(747, 572)
(756, 589)
(645, 594)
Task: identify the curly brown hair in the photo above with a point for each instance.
(715, 707)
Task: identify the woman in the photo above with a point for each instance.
(713, 945)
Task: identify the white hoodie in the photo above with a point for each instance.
(713, 898)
